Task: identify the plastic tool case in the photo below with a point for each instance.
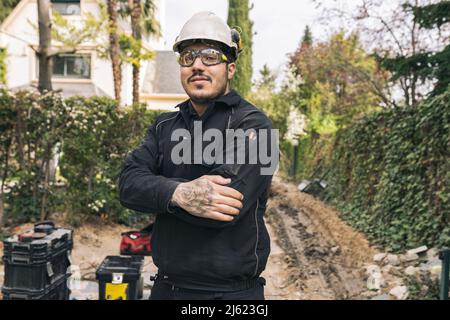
(37, 263)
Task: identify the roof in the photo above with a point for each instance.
(162, 75)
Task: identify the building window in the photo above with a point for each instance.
(67, 7)
(72, 66)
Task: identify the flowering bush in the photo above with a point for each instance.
(89, 139)
(31, 128)
(97, 139)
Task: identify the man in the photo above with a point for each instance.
(209, 239)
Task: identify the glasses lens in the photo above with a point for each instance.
(186, 58)
(210, 57)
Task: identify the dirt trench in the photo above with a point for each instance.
(325, 256)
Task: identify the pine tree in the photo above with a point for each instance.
(426, 65)
(437, 64)
(307, 36)
(238, 16)
(267, 79)
(305, 44)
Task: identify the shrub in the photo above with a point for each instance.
(91, 136)
(390, 175)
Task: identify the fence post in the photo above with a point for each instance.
(294, 169)
(444, 255)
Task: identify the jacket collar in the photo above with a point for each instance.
(188, 112)
(232, 98)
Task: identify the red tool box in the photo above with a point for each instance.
(137, 243)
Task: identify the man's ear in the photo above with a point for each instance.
(231, 70)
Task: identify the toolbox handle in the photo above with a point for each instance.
(58, 244)
(19, 245)
(50, 270)
(126, 233)
(18, 296)
(20, 260)
(45, 222)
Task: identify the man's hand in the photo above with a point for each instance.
(208, 197)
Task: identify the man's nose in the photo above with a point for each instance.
(198, 64)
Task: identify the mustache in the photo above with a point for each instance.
(199, 75)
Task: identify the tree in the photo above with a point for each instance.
(44, 54)
(68, 35)
(143, 23)
(425, 65)
(267, 80)
(135, 15)
(6, 6)
(307, 39)
(339, 81)
(392, 33)
(305, 44)
(6, 138)
(303, 50)
(271, 102)
(114, 48)
(238, 17)
(2, 66)
(431, 65)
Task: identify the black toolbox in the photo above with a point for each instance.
(58, 290)
(35, 267)
(119, 278)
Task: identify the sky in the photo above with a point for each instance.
(279, 25)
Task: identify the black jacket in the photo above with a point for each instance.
(190, 251)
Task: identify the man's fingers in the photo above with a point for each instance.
(219, 216)
(223, 208)
(230, 192)
(223, 190)
(218, 179)
(232, 202)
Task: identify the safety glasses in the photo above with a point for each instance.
(208, 56)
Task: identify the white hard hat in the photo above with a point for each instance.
(206, 26)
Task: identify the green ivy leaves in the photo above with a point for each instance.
(390, 175)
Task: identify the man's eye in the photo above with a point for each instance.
(186, 58)
(210, 57)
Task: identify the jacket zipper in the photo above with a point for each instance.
(257, 238)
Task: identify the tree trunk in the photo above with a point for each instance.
(45, 61)
(19, 135)
(114, 48)
(136, 72)
(294, 166)
(238, 15)
(46, 169)
(90, 180)
(136, 12)
(2, 186)
(1, 207)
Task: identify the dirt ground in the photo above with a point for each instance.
(94, 242)
(325, 256)
(314, 255)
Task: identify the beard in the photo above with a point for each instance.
(198, 95)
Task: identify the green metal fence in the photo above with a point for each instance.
(444, 255)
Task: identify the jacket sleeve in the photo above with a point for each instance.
(141, 188)
(245, 178)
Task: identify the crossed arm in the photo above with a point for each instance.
(214, 200)
(209, 197)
